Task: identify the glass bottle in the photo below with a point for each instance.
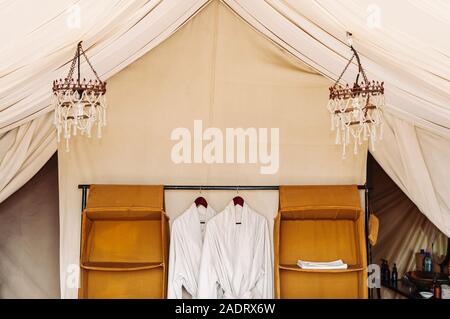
(427, 263)
(436, 289)
(394, 276)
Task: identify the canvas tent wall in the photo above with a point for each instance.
(29, 238)
(414, 65)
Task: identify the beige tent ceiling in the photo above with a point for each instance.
(409, 51)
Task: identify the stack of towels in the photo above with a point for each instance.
(337, 264)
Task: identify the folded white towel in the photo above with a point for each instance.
(337, 264)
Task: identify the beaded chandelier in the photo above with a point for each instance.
(79, 104)
(356, 111)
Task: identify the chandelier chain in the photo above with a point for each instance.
(72, 65)
(90, 65)
(80, 51)
(360, 67)
(345, 69)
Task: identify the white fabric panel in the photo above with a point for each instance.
(438, 169)
(416, 95)
(114, 33)
(415, 54)
(23, 151)
(418, 163)
(288, 27)
(415, 65)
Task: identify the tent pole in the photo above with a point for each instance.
(366, 217)
(84, 188)
(446, 261)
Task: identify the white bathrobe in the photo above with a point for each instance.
(186, 241)
(236, 258)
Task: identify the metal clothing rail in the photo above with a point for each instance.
(85, 187)
(225, 188)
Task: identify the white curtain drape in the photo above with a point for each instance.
(315, 31)
(23, 152)
(417, 161)
(115, 33)
(414, 65)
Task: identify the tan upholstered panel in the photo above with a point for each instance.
(320, 223)
(323, 240)
(150, 196)
(318, 195)
(124, 243)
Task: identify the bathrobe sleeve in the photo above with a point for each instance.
(265, 281)
(207, 286)
(176, 265)
(268, 264)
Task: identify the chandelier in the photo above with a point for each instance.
(356, 111)
(79, 104)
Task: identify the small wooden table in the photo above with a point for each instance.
(404, 288)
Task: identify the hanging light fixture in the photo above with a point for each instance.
(356, 111)
(79, 104)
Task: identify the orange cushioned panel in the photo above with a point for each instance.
(124, 243)
(317, 195)
(150, 196)
(320, 223)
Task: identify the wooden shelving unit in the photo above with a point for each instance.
(320, 223)
(351, 268)
(124, 246)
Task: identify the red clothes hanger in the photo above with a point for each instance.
(201, 201)
(238, 200)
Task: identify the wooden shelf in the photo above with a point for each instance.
(320, 223)
(351, 268)
(123, 213)
(124, 243)
(119, 266)
(320, 213)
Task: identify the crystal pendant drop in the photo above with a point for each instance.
(79, 104)
(356, 110)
